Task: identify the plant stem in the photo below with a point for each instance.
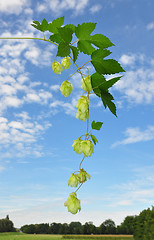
(85, 63)
(78, 69)
(78, 187)
(44, 36)
(87, 117)
(71, 75)
(27, 38)
(81, 162)
(74, 42)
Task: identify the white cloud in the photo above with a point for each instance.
(13, 6)
(69, 108)
(33, 53)
(137, 84)
(55, 87)
(150, 26)
(127, 60)
(134, 135)
(12, 101)
(95, 8)
(15, 80)
(139, 192)
(41, 213)
(41, 96)
(20, 136)
(57, 6)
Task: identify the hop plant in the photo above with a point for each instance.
(62, 38)
(87, 148)
(77, 146)
(57, 67)
(86, 83)
(83, 175)
(83, 108)
(66, 63)
(66, 88)
(73, 180)
(73, 203)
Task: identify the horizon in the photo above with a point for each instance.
(38, 125)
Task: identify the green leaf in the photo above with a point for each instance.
(37, 25)
(57, 23)
(107, 101)
(41, 26)
(44, 25)
(85, 47)
(100, 53)
(96, 81)
(71, 26)
(63, 50)
(66, 34)
(83, 31)
(36, 22)
(106, 85)
(75, 52)
(109, 66)
(101, 41)
(96, 125)
(94, 139)
(56, 38)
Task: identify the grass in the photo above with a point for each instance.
(21, 236)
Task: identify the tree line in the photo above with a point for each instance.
(6, 225)
(107, 227)
(141, 226)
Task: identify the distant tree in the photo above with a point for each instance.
(65, 227)
(109, 226)
(75, 228)
(145, 225)
(127, 226)
(55, 228)
(101, 228)
(42, 228)
(89, 228)
(6, 225)
(149, 225)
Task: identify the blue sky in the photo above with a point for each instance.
(38, 125)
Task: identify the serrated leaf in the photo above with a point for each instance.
(94, 139)
(96, 125)
(85, 47)
(41, 26)
(36, 22)
(100, 53)
(96, 81)
(109, 66)
(107, 101)
(83, 31)
(44, 25)
(71, 26)
(66, 34)
(37, 25)
(63, 50)
(57, 23)
(106, 85)
(56, 38)
(101, 41)
(75, 52)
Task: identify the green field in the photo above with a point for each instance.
(20, 236)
